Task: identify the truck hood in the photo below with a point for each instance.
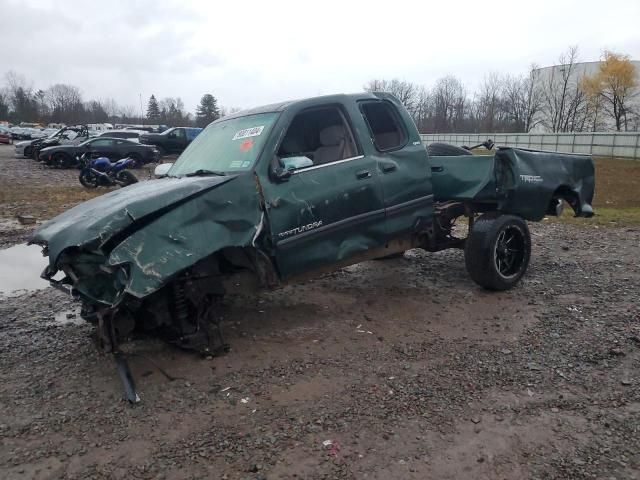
(96, 221)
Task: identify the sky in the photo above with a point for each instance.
(249, 53)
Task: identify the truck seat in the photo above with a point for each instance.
(387, 140)
(334, 145)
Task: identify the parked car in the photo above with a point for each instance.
(66, 156)
(25, 147)
(38, 133)
(174, 140)
(5, 135)
(274, 194)
(133, 135)
(141, 129)
(72, 135)
(17, 133)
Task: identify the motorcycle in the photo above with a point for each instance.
(488, 144)
(101, 172)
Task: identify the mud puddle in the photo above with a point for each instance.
(20, 269)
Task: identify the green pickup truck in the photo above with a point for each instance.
(171, 141)
(267, 196)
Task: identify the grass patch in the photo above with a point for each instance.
(44, 202)
(617, 196)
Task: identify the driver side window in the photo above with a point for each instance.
(315, 137)
(102, 142)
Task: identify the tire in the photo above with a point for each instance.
(497, 251)
(62, 160)
(88, 179)
(126, 178)
(161, 150)
(27, 151)
(445, 150)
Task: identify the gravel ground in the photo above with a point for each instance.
(392, 369)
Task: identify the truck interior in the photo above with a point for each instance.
(322, 135)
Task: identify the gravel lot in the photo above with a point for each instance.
(391, 369)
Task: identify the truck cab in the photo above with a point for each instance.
(171, 141)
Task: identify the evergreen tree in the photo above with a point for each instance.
(207, 111)
(153, 111)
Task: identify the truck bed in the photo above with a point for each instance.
(521, 182)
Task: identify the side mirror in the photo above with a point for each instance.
(162, 169)
(277, 172)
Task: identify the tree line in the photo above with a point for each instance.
(562, 99)
(64, 103)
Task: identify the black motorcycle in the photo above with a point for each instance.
(101, 172)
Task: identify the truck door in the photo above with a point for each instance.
(176, 140)
(402, 164)
(331, 207)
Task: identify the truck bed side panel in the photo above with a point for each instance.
(520, 182)
(528, 180)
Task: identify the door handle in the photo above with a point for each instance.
(437, 169)
(388, 167)
(363, 174)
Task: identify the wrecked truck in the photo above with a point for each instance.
(267, 196)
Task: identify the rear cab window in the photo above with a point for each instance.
(386, 129)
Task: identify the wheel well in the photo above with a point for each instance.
(565, 193)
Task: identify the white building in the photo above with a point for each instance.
(552, 77)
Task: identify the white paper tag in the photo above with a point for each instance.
(248, 132)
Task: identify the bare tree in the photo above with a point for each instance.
(521, 101)
(487, 102)
(449, 102)
(65, 102)
(561, 95)
(20, 95)
(406, 92)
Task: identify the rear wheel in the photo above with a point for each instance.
(126, 178)
(88, 179)
(437, 149)
(497, 251)
(62, 160)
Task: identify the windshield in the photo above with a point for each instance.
(228, 146)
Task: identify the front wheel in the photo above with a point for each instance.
(126, 178)
(27, 151)
(62, 160)
(136, 160)
(497, 251)
(88, 179)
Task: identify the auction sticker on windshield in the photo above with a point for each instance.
(248, 132)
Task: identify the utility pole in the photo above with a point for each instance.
(141, 110)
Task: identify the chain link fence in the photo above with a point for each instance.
(623, 145)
